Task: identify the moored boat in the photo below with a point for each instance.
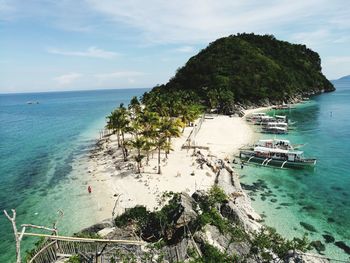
(275, 143)
(256, 116)
(277, 157)
(275, 130)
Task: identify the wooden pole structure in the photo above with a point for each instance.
(18, 237)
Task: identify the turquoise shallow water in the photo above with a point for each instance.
(39, 145)
(321, 197)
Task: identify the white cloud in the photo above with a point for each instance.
(67, 79)
(197, 21)
(92, 52)
(185, 49)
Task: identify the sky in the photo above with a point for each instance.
(58, 45)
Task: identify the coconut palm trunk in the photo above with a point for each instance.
(159, 172)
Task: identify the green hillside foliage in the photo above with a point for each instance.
(243, 68)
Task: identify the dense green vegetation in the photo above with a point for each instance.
(243, 68)
(159, 228)
(151, 129)
(152, 226)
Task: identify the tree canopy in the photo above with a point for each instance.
(242, 68)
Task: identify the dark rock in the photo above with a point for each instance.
(330, 220)
(285, 204)
(278, 207)
(248, 187)
(273, 200)
(97, 227)
(328, 238)
(309, 208)
(308, 227)
(336, 188)
(318, 245)
(343, 246)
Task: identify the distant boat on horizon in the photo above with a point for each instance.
(32, 102)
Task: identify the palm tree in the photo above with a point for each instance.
(118, 122)
(149, 145)
(189, 114)
(138, 144)
(170, 127)
(134, 106)
(160, 144)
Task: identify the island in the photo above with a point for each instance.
(164, 170)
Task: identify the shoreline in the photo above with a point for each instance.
(116, 186)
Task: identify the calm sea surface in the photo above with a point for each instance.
(320, 198)
(38, 145)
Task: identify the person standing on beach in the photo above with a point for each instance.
(89, 189)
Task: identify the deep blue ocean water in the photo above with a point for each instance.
(318, 197)
(38, 144)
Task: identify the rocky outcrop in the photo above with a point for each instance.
(186, 212)
(108, 223)
(183, 229)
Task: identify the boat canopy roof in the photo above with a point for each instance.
(274, 140)
(270, 150)
(277, 123)
(296, 152)
(276, 150)
(267, 118)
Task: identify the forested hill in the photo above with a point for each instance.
(244, 69)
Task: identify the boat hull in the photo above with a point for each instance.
(251, 158)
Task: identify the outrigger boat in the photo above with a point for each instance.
(273, 143)
(275, 130)
(281, 118)
(282, 158)
(256, 117)
(283, 107)
(275, 124)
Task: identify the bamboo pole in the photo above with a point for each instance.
(76, 239)
(39, 253)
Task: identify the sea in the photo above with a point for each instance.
(312, 202)
(40, 146)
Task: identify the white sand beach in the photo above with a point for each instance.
(122, 188)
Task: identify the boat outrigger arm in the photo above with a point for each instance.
(283, 163)
(268, 162)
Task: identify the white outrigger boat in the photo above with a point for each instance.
(282, 158)
(275, 129)
(256, 117)
(281, 118)
(274, 143)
